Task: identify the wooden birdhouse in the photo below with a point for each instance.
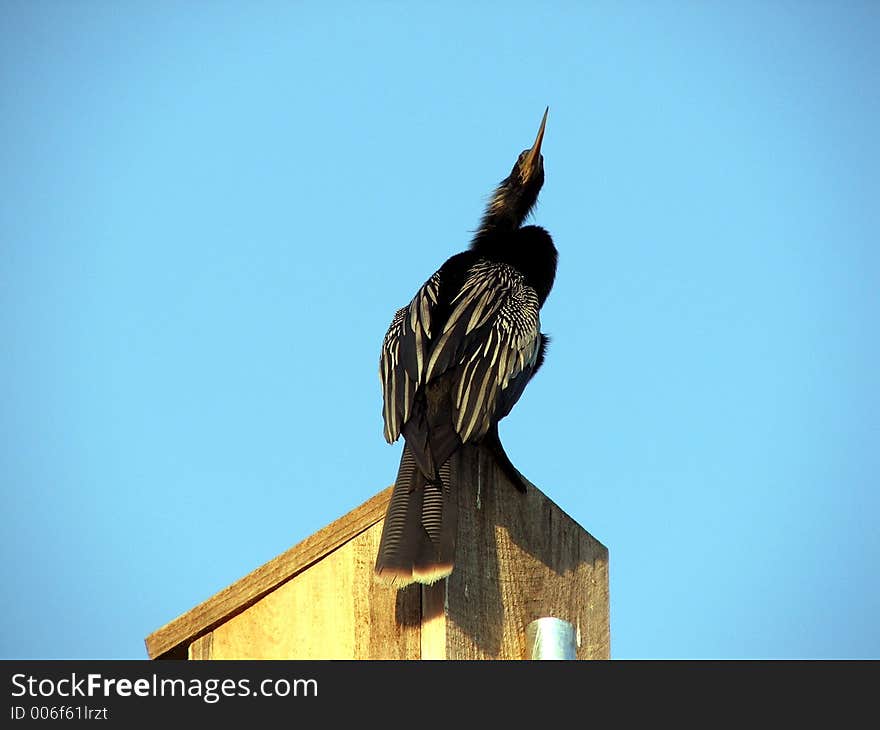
(519, 557)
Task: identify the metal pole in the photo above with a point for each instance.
(550, 638)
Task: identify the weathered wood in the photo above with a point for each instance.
(518, 557)
(243, 593)
(331, 610)
(202, 648)
(433, 616)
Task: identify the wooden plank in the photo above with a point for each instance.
(334, 609)
(433, 634)
(389, 618)
(248, 590)
(520, 557)
(202, 648)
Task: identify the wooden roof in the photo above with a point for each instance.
(171, 641)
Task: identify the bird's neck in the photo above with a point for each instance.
(494, 228)
(507, 209)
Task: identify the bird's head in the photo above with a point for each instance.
(528, 171)
(518, 192)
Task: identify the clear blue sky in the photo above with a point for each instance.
(210, 211)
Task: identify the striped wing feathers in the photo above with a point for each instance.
(491, 338)
(492, 335)
(402, 361)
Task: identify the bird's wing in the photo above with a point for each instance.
(404, 356)
(492, 341)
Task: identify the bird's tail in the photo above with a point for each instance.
(418, 537)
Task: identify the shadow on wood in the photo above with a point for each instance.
(518, 557)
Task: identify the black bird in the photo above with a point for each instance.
(454, 362)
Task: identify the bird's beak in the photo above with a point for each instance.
(533, 158)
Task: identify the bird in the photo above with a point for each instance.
(453, 363)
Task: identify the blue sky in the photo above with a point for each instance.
(210, 211)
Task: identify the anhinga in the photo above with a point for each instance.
(454, 362)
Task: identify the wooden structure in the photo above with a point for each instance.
(518, 557)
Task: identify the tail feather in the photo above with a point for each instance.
(418, 537)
